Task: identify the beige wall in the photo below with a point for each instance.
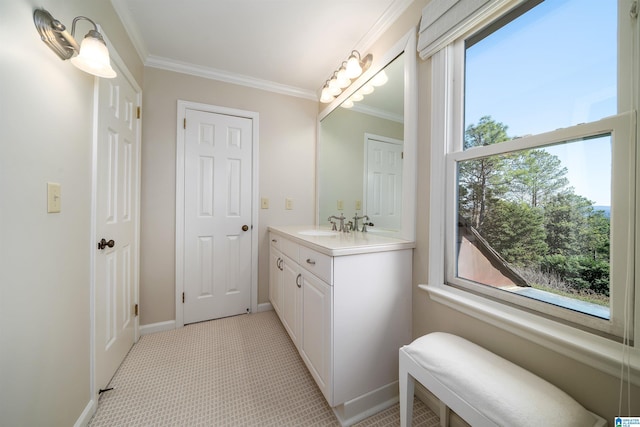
(287, 137)
(46, 135)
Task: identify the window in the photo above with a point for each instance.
(534, 129)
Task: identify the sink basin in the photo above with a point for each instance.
(318, 233)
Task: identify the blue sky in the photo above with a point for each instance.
(556, 68)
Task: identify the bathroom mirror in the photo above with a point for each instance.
(366, 159)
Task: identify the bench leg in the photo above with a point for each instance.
(407, 384)
(444, 415)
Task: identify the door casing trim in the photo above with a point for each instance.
(183, 106)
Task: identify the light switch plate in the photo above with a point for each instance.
(54, 197)
(358, 205)
(288, 203)
(340, 205)
(264, 203)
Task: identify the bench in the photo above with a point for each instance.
(482, 388)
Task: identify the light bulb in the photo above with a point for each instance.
(325, 96)
(343, 80)
(379, 79)
(357, 97)
(366, 89)
(94, 57)
(353, 67)
(347, 104)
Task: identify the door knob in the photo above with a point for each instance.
(245, 227)
(103, 244)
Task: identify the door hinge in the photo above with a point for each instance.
(138, 111)
(184, 124)
(183, 297)
(135, 310)
(402, 155)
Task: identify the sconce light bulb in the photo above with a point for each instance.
(367, 89)
(357, 96)
(380, 79)
(347, 104)
(343, 80)
(94, 57)
(325, 96)
(354, 69)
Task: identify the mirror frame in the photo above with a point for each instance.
(407, 44)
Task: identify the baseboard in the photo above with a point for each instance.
(152, 328)
(86, 415)
(265, 306)
(362, 407)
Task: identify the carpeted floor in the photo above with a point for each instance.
(238, 371)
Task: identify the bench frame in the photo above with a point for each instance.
(410, 371)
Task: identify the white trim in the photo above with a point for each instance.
(152, 328)
(228, 77)
(387, 19)
(86, 414)
(595, 351)
(120, 6)
(183, 106)
(265, 306)
(377, 112)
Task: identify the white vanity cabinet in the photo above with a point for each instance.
(275, 275)
(346, 303)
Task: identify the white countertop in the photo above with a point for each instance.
(340, 244)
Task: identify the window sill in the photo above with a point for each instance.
(595, 351)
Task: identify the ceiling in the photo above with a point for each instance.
(287, 46)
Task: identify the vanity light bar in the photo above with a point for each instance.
(342, 78)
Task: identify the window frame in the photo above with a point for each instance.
(573, 335)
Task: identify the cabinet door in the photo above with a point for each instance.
(316, 344)
(275, 279)
(291, 299)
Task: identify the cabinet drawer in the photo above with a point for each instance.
(315, 262)
(289, 248)
(275, 241)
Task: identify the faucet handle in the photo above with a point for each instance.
(364, 226)
(333, 225)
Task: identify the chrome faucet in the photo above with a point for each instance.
(356, 218)
(340, 218)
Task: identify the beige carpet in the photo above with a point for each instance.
(238, 371)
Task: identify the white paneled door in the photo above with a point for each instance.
(383, 181)
(116, 216)
(217, 215)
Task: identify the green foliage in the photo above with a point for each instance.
(579, 272)
(522, 205)
(516, 231)
(481, 178)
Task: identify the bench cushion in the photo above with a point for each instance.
(504, 392)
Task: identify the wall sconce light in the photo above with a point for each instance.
(342, 78)
(92, 55)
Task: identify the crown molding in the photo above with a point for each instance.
(387, 19)
(131, 28)
(377, 112)
(227, 77)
